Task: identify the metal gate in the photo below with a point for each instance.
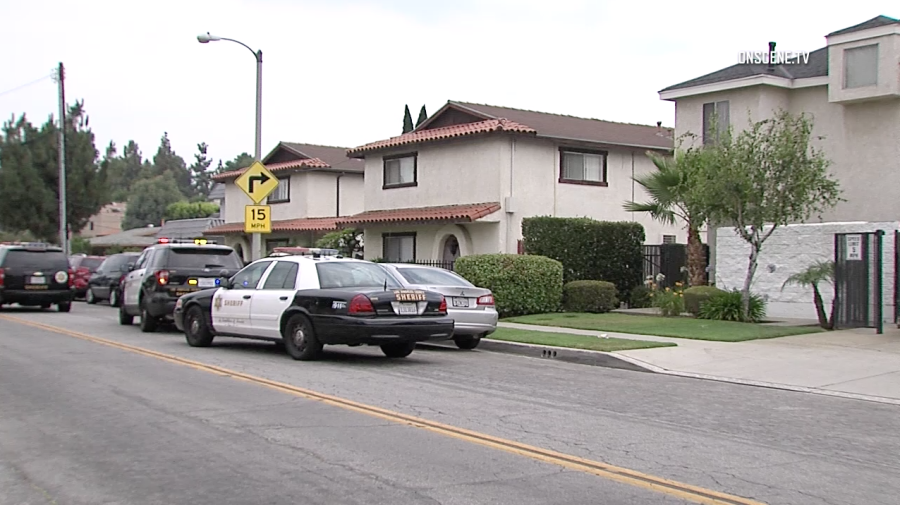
(858, 270)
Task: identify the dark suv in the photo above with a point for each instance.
(106, 282)
(169, 269)
(36, 274)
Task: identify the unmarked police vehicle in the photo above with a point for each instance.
(309, 298)
(35, 274)
(169, 269)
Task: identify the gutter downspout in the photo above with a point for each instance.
(509, 215)
(632, 182)
(337, 196)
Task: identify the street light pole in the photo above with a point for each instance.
(255, 238)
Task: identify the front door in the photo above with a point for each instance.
(131, 286)
(231, 306)
(275, 296)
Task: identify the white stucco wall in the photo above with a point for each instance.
(473, 238)
(792, 249)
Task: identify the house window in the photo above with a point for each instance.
(92, 226)
(582, 167)
(861, 66)
(715, 121)
(400, 171)
(399, 247)
(668, 239)
(282, 193)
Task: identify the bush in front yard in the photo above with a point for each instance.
(640, 297)
(589, 249)
(589, 296)
(522, 284)
(726, 306)
(695, 296)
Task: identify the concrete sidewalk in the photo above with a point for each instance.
(852, 363)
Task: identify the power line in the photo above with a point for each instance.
(17, 88)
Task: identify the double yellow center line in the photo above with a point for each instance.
(680, 490)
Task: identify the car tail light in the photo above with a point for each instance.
(2, 276)
(443, 307)
(162, 277)
(361, 305)
(71, 278)
(122, 279)
(486, 300)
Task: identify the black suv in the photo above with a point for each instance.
(36, 274)
(169, 269)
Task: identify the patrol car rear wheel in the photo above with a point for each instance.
(148, 322)
(64, 306)
(398, 350)
(300, 340)
(196, 329)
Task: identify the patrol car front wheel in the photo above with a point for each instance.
(196, 331)
(300, 340)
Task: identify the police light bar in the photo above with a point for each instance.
(304, 251)
(195, 241)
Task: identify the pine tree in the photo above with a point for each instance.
(407, 120)
(200, 175)
(422, 116)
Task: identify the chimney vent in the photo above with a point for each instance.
(659, 124)
(771, 57)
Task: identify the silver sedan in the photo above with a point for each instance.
(472, 308)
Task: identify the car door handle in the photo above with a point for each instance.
(282, 298)
(246, 297)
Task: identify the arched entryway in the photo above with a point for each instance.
(451, 249)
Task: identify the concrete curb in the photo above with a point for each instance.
(611, 360)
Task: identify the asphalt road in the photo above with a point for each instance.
(83, 422)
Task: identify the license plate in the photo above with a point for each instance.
(407, 309)
(460, 302)
(206, 283)
(37, 280)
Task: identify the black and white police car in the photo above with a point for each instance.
(309, 298)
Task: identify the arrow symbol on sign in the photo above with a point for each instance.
(261, 178)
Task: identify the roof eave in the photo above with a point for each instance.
(361, 152)
(611, 144)
(744, 82)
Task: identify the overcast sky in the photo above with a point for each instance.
(338, 72)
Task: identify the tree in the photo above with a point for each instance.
(348, 241)
(190, 210)
(240, 161)
(201, 181)
(765, 177)
(149, 200)
(29, 178)
(814, 275)
(671, 198)
(166, 161)
(407, 120)
(422, 116)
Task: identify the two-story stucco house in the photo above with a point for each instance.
(851, 88)
(464, 179)
(317, 185)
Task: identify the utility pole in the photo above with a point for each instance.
(60, 77)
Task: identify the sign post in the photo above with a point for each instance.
(257, 183)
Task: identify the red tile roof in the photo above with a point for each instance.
(303, 224)
(274, 167)
(446, 132)
(465, 212)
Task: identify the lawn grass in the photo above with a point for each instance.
(573, 341)
(678, 327)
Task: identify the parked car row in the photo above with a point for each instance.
(304, 297)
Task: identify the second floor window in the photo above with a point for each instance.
(582, 167)
(715, 121)
(861, 66)
(282, 192)
(400, 171)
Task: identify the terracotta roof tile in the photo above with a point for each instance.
(303, 224)
(465, 212)
(275, 167)
(446, 132)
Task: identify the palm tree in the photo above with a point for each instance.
(669, 188)
(815, 274)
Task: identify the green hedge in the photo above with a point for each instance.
(589, 296)
(589, 249)
(522, 284)
(640, 297)
(695, 296)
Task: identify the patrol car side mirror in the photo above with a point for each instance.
(129, 267)
(227, 283)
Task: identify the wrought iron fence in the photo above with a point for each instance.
(447, 265)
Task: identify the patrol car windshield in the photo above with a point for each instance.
(36, 259)
(353, 274)
(199, 257)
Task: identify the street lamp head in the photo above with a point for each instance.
(204, 38)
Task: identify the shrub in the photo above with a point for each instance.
(589, 249)
(589, 296)
(522, 284)
(670, 302)
(695, 296)
(640, 297)
(726, 306)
